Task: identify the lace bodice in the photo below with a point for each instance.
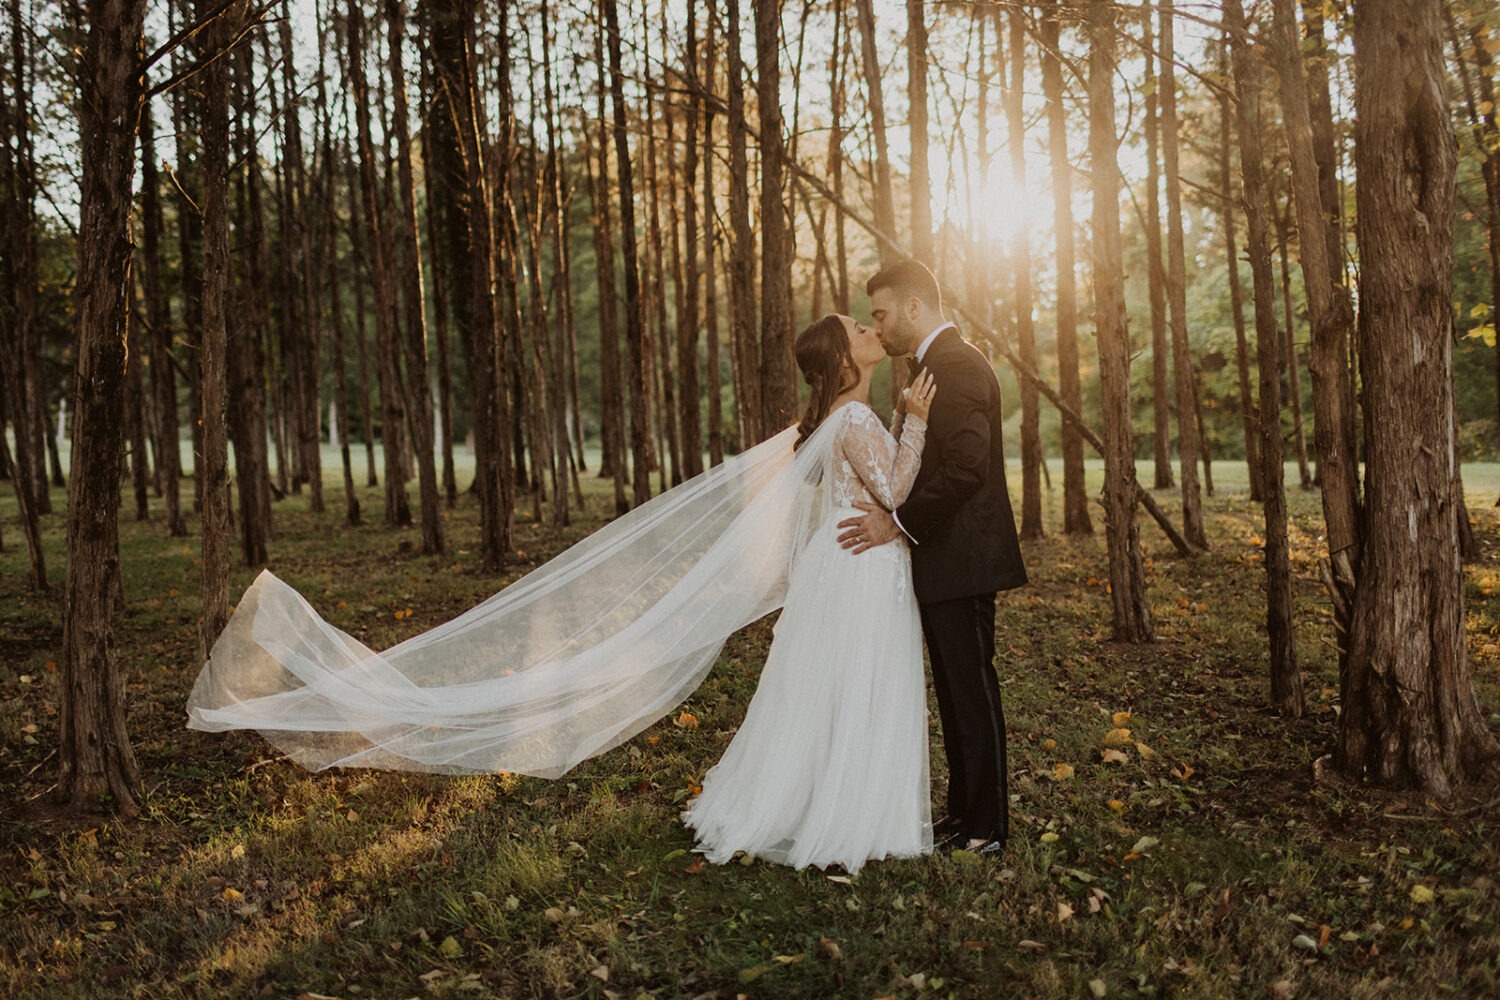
(869, 464)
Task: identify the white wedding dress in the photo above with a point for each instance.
(589, 649)
(830, 764)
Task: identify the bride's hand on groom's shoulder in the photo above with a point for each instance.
(875, 527)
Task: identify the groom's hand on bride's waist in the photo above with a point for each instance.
(874, 527)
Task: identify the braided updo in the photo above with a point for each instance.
(827, 364)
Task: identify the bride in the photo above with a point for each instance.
(830, 764)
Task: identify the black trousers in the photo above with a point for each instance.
(960, 638)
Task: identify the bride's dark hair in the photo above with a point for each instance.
(823, 355)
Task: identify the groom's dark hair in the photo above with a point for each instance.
(908, 279)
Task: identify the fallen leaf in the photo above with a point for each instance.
(1050, 837)
(1146, 752)
(1117, 737)
(1183, 772)
(1120, 719)
(695, 868)
(232, 895)
(1115, 804)
(1324, 932)
(450, 948)
(1026, 944)
(832, 948)
(1098, 989)
(1144, 844)
(1064, 911)
(687, 720)
(552, 914)
(1110, 755)
(600, 973)
(1304, 942)
(1062, 772)
(237, 851)
(1422, 894)
(788, 959)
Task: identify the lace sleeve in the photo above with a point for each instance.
(886, 467)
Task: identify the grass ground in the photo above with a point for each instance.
(1206, 863)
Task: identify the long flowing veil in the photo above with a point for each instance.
(567, 662)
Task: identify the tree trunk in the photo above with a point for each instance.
(1286, 679)
(710, 289)
(1289, 359)
(687, 317)
(418, 383)
(440, 313)
(1332, 316)
(1184, 376)
(392, 413)
(654, 270)
(1031, 436)
(1076, 520)
(1314, 48)
(916, 102)
(1409, 715)
(1127, 572)
(1227, 203)
(885, 203)
(362, 278)
(611, 378)
(635, 321)
(838, 76)
(97, 766)
(1156, 278)
(741, 246)
(777, 369)
(159, 322)
(19, 338)
(464, 203)
(244, 333)
(213, 358)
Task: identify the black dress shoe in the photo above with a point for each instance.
(985, 848)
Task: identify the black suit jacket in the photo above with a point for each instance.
(958, 513)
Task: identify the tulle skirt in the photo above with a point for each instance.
(830, 764)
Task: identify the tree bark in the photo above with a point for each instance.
(1410, 716)
(1127, 572)
(1292, 366)
(392, 413)
(916, 102)
(20, 389)
(611, 377)
(1184, 375)
(1286, 678)
(710, 285)
(245, 333)
(635, 321)
(777, 368)
(741, 246)
(464, 202)
(98, 768)
(687, 318)
(1076, 519)
(1227, 204)
(1031, 435)
(885, 203)
(418, 382)
(159, 324)
(1332, 316)
(1156, 278)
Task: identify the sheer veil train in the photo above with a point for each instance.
(567, 662)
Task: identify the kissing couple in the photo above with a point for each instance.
(868, 539)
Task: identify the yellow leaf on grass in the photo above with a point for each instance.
(1113, 756)
(1120, 719)
(1422, 894)
(1117, 737)
(1115, 804)
(1064, 911)
(1050, 837)
(687, 720)
(1146, 752)
(232, 894)
(1062, 772)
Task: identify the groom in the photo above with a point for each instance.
(963, 546)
